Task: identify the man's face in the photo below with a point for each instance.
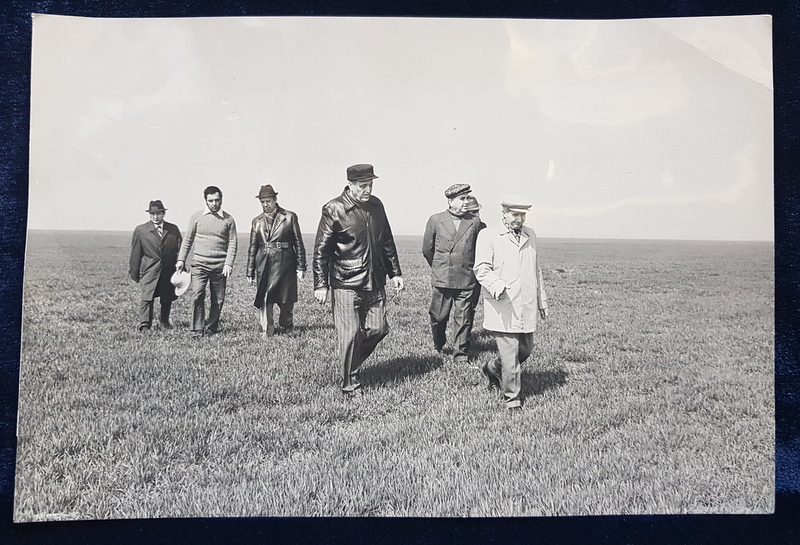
(214, 202)
(514, 219)
(157, 217)
(361, 191)
(458, 204)
(269, 204)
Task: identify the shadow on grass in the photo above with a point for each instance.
(482, 341)
(300, 329)
(536, 383)
(398, 369)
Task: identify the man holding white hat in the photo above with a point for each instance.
(154, 250)
(507, 267)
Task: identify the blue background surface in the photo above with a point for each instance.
(781, 527)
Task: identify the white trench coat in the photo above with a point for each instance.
(511, 279)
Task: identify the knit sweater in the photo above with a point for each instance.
(214, 239)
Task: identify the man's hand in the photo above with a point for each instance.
(321, 295)
(301, 275)
(179, 266)
(249, 279)
(544, 313)
(227, 270)
(399, 285)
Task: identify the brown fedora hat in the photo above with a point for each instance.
(266, 191)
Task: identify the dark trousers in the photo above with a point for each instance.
(146, 311)
(266, 315)
(513, 349)
(203, 276)
(360, 321)
(461, 305)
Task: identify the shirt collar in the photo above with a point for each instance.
(221, 212)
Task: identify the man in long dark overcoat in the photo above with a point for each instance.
(448, 246)
(154, 251)
(276, 260)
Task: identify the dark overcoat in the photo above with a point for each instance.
(451, 253)
(153, 259)
(274, 256)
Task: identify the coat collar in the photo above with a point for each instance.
(280, 217)
(505, 232)
(466, 221)
(350, 202)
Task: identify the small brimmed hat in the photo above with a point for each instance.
(266, 191)
(472, 204)
(456, 189)
(180, 279)
(515, 203)
(156, 206)
(360, 173)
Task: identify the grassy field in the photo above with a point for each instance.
(650, 391)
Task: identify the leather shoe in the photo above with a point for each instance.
(166, 325)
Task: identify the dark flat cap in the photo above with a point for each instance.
(456, 189)
(360, 173)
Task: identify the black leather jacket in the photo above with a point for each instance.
(354, 248)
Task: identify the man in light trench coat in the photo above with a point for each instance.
(507, 267)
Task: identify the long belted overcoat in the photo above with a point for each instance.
(274, 256)
(153, 259)
(511, 279)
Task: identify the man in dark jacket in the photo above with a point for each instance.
(276, 259)
(449, 248)
(154, 250)
(353, 253)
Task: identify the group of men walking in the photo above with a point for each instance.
(354, 254)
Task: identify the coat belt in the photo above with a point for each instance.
(278, 244)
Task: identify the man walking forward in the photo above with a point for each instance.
(276, 261)
(507, 266)
(449, 248)
(354, 251)
(212, 232)
(154, 250)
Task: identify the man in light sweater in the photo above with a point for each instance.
(212, 232)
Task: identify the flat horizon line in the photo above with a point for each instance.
(540, 237)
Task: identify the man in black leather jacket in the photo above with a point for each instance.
(353, 253)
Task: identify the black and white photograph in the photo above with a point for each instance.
(398, 267)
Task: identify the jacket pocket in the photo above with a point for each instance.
(347, 268)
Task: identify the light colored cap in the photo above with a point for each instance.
(515, 203)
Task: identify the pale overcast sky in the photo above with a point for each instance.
(625, 129)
